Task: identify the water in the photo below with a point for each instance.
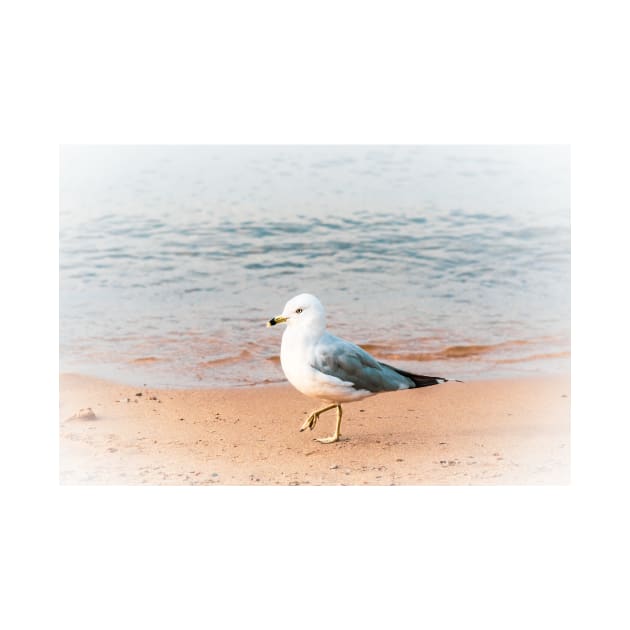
(444, 260)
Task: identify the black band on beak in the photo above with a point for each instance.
(272, 322)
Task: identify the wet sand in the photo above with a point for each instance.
(497, 432)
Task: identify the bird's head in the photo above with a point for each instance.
(304, 310)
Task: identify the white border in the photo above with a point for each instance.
(395, 72)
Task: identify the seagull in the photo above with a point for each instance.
(331, 369)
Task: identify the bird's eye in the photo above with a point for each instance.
(298, 310)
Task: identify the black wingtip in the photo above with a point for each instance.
(419, 380)
(425, 381)
(422, 381)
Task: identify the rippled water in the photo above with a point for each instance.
(445, 260)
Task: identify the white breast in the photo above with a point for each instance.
(295, 360)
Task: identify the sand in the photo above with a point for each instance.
(481, 433)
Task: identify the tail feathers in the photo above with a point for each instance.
(422, 381)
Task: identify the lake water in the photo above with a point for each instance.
(444, 260)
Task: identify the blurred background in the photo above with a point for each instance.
(447, 260)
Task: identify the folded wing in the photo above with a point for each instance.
(351, 364)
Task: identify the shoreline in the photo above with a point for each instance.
(466, 362)
(485, 432)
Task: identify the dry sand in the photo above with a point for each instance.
(482, 432)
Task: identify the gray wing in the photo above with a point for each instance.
(348, 362)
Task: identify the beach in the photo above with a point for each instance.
(450, 260)
(483, 432)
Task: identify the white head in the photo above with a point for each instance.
(303, 311)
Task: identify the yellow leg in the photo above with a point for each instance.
(311, 421)
(335, 436)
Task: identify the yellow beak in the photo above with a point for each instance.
(278, 319)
